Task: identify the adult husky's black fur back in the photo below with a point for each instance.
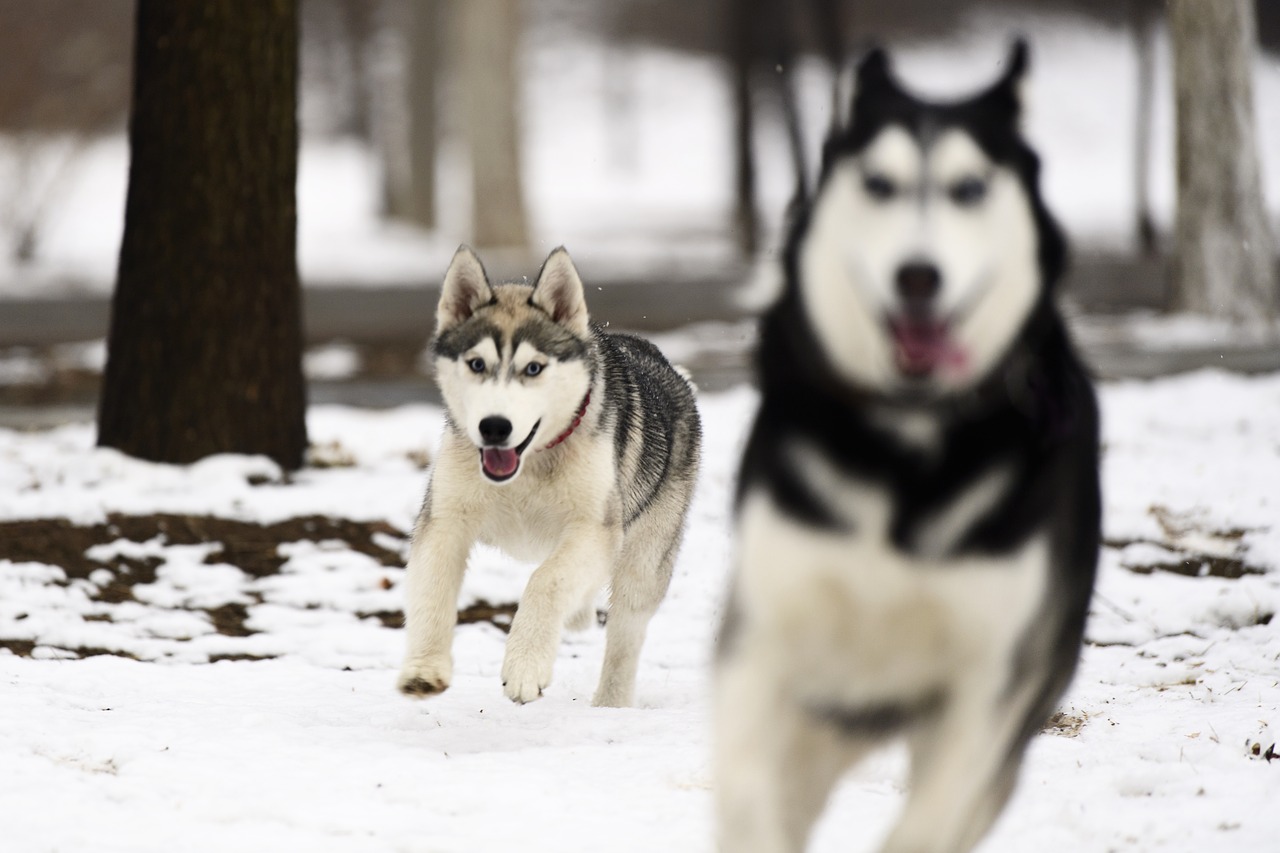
(958, 480)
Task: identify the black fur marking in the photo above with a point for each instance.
(652, 405)
(453, 342)
(877, 720)
(551, 340)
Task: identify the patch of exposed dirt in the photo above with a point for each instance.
(1199, 549)
(253, 548)
(1064, 724)
(24, 648)
(229, 620)
(1202, 566)
(498, 615)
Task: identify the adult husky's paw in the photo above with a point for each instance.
(424, 678)
(526, 668)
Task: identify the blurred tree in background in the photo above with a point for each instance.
(64, 71)
(205, 348)
(1224, 259)
(432, 89)
(488, 41)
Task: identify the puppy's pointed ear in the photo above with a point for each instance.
(466, 288)
(558, 291)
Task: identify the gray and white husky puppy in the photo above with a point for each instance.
(918, 506)
(563, 445)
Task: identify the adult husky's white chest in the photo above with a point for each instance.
(848, 616)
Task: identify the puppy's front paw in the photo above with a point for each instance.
(526, 669)
(425, 678)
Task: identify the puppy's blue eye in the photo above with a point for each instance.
(532, 369)
(476, 365)
(967, 192)
(879, 187)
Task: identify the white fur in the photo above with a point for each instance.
(832, 620)
(856, 244)
(548, 401)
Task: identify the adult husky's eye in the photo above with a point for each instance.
(476, 365)
(967, 192)
(532, 369)
(879, 187)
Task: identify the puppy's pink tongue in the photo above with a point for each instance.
(499, 462)
(923, 346)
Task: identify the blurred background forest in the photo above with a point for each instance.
(616, 127)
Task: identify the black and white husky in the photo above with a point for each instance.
(918, 507)
(563, 445)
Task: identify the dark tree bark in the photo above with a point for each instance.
(1224, 263)
(204, 352)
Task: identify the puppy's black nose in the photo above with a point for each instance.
(495, 430)
(918, 284)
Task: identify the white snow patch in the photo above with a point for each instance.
(314, 748)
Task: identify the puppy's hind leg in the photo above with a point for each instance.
(639, 583)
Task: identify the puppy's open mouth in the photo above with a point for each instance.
(923, 345)
(501, 463)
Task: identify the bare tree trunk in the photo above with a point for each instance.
(742, 50)
(1143, 15)
(408, 131)
(487, 54)
(424, 55)
(1224, 264)
(205, 347)
(358, 27)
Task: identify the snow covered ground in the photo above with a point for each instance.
(294, 738)
(627, 159)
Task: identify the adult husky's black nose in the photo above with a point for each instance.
(495, 430)
(918, 284)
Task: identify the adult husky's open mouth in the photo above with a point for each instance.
(501, 463)
(922, 345)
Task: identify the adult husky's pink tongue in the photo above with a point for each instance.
(923, 345)
(500, 462)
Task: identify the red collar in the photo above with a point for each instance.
(577, 419)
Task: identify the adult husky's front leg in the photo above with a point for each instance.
(775, 763)
(578, 566)
(433, 578)
(964, 764)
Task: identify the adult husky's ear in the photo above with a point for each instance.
(873, 70)
(1005, 97)
(558, 291)
(873, 85)
(466, 288)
